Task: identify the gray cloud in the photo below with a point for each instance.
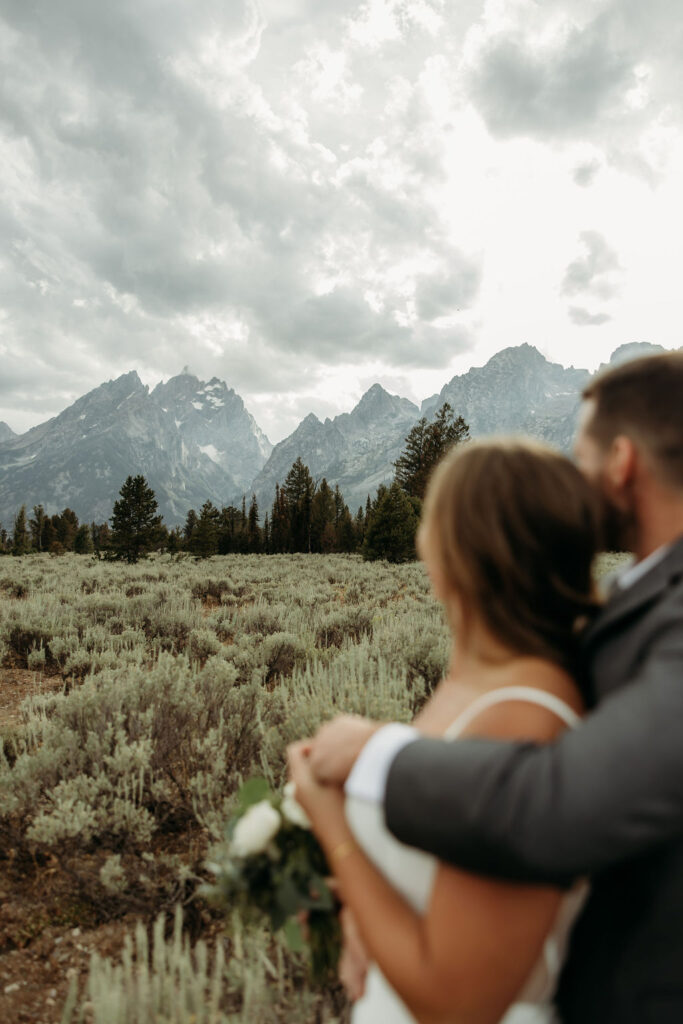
(455, 288)
(593, 272)
(552, 91)
(569, 70)
(582, 318)
(591, 277)
(586, 173)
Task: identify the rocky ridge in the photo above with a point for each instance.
(195, 441)
(81, 457)
(356, 450)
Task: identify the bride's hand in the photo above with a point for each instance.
(336, 746)
(354, 961)
(323, 804)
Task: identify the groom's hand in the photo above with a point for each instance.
(336, 746)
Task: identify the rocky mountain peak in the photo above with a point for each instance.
(112, 398)
(310, 422)
(517, 391)
(213, 417)
(128, 380)
(181, 385)
(375, 402)
(373, 396)
(376, 406)
(633, 350)
(523, 355)
(6, 432)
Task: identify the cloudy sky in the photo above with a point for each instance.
(302, 197)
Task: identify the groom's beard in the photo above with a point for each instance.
(619, 531)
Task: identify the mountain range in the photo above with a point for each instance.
(191, 440)
(195, 441)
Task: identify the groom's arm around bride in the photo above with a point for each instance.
(607, 792)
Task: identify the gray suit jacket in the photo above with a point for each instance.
(605, 800)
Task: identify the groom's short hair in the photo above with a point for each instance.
(643, 399)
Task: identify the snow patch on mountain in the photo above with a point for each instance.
(211, 451)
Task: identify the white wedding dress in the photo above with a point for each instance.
(412, 873)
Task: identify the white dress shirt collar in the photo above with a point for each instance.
(637, 570)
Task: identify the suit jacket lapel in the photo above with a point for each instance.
(644, 591)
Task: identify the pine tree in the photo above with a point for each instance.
(359, 526)
(21, 542)
(65, 527)
(339, 506)
(391, 529)
(83, 542)
(37, 527)
(136, 525)
(279, 522)
(299, 489)
(190, 526)
(204, 541)
(49, 533)
(101, 537)
(229, 537)
(425, 445)
(322, 518)
(175, 540)
(253, 529)
(240, 528)
(345, 532)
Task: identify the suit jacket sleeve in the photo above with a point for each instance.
(602, 793)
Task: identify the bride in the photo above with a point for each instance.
(508, 536)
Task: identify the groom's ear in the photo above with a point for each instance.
(620, 465)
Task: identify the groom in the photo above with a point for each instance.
(605, 800)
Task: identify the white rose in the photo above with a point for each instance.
(292, 810)
(255, 829)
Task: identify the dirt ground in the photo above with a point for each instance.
(16, 684)
(38, 961)
(34, 981)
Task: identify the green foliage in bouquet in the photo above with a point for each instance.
(272, 866)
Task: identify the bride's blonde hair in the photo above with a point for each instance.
(515, 529)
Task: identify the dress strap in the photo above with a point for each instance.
(529, 694)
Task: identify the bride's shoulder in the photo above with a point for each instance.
(523, 710)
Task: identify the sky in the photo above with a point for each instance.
(303, 197)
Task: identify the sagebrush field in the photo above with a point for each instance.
(134, 700)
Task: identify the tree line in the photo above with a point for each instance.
(37, 532)
(306, 516)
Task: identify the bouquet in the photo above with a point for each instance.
(272, 865)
